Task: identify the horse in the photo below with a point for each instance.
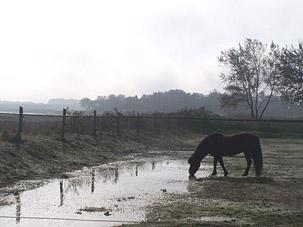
(219, 145)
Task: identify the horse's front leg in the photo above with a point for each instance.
(222, 165)
(215, 166)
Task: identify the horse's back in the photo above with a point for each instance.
(240, 142)
(218, 144)
(243, 135)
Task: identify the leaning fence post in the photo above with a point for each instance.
(63, 124)
(20, 126)
(95, 123)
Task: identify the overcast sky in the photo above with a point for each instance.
(76, 49)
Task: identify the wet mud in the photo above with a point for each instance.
(41, 157)
(274, 199)
(107, 195)
(153, 189)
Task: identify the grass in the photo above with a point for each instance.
(271, 200)
(40, 156)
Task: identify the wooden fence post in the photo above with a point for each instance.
(63, 124)
(95, 123)
(20, 126)
(118, 124)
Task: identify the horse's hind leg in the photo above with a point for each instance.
(215, 166)
(248, 159)
(222, 165)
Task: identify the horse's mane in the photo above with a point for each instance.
(205, 140)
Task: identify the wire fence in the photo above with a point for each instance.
(13, 126)
(67, 219)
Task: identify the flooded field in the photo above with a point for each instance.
(153, 189)
(274, 199)
(107, 195)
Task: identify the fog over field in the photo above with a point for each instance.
(75, 49)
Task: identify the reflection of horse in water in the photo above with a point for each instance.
(219, 145)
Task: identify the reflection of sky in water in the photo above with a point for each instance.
(123, 188)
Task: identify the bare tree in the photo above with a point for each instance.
(251, 76)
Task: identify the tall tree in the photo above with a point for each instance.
(251, 76)
(291, 74)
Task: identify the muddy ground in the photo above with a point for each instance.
(41, 157)
(273, 199)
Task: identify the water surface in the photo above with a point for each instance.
(106, 195)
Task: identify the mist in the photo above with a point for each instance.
(76, 49)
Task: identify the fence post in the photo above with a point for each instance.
(95, 123)
(63, 124)
(20, 126)
(118, 124)
(138, 123)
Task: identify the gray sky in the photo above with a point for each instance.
(76, 49)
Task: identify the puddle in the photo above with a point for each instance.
(107, 195)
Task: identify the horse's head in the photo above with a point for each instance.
(194, 165)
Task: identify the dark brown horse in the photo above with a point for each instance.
(218, 145)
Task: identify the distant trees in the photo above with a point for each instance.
(87, 104)
(170, 101)
(181, 102)
(291, 74)
(251, 78)
(256, 74)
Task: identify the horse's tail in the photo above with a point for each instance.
(257, 157)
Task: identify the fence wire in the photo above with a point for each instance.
(67, 219)
(35, 124)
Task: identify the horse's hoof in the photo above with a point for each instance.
(213, 174)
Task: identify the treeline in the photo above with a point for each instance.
(178, 100)
(170, 101)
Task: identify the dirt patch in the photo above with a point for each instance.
(275, 199)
